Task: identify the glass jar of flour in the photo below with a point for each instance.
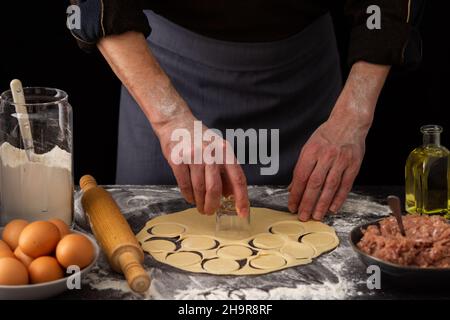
(36, 179)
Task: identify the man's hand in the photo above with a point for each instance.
(326, 169)
(330, 160)
(205, 183)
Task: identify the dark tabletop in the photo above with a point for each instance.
(336, 275)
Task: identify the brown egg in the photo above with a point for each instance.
(12, 272)
(26, 260)
(12, 232)
(6, 253)
(45, 269)
(4, 246)
(62, 226)
(39, 239)
(75, 249)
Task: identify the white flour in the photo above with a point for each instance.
(361, 205)
(325, 291)
(100, 280)
(35, 190)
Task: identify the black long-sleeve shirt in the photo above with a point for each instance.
(396, 43)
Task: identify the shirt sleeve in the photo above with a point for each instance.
(100, 18)
(396, 42)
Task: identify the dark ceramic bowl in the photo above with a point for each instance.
(406, 275)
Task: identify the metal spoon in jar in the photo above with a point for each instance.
(394, 205)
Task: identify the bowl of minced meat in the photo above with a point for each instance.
(424, 254)
(426, 245)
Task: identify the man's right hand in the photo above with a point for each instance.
(204, 183)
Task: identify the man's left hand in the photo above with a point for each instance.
(330, 160)
(325, 171)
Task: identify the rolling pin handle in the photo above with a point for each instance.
(114, 234)
(136, 276)
(87, 182)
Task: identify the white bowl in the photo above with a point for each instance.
(47, 289)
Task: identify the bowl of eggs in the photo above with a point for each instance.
(41, 259)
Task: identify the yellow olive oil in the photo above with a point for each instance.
(427, 176)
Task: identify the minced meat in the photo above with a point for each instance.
(427, 241)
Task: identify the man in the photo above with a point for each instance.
(261, 64)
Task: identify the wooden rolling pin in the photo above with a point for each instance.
(114, 234)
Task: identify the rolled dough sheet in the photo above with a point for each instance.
(289, 228)
(221, 266)
(198, 243)
(234, 252)
(183, 259)
(159, 246)
(169, 230)
(268, 262)
(277, 240)
(299, 250)
(268, 241)
(321, 241)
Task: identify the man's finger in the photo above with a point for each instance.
(346, 186)
(332, 183)
(183, 177)
(227, 188)
(239, 185)
(198, 184)
(313, 188)
(213, 185)
(302, 171)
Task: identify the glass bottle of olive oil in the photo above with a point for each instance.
(427, 175)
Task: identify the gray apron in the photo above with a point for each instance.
(290, 85)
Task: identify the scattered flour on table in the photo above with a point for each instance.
(103, 282)
(356, 209)
(327, 290)
(271, 191)
(359, 205)
(324, 291)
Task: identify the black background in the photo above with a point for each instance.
(37, 48)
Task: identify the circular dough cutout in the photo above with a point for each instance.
(268, 241)
(317, 226)
(183, 259)
(298, 250)
(269, 261)
(198, 243)
(158, 246)
(319, 239)
(168, 230)
(234, 252)
(289, 228)
(221, 266)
